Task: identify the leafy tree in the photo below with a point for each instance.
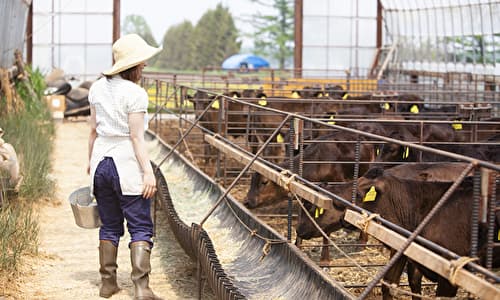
(274, 33)
(137, 24)
(215, 38)
(178, 48)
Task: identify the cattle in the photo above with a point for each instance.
(331, 220)
(264, 122)
(378, 103)
(236, 112)
(329, 148)
(406, 202)
(431, 134)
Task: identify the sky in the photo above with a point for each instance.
(161, 14)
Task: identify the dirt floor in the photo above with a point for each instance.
(67, 265)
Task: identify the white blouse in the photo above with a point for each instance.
(113, 99)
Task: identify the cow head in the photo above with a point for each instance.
(329, 220)
(263, 192)
(391, 152)
(335, 91)
(371, 187)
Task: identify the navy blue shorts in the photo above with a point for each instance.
(114, 207)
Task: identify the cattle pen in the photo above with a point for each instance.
(223, 131)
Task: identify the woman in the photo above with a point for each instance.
(122, 178)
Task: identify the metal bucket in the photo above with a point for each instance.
(84, 208)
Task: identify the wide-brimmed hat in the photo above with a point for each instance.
(129, 51)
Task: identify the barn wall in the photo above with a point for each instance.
(12, 29)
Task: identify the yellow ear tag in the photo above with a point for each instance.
(295, 95)
(406, 153)
(320, 95)
(318, 212)
(387, 106)
(345, 96)
(280, 138)
(235, 96)
(414, 109)
(326, 95)
(457, 126)
(377, 151)
(331, 122)
(498, 236)
(215, 104)
(262, 102)
(370, 195)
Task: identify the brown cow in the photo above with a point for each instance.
(333, 219)
(405, 203)
(328, 149)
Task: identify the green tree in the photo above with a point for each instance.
(137, 24)
(274, 33)
(178, 48)
(215, 38)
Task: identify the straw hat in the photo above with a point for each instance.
(129, 51)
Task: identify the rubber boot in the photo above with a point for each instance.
(140, 253)
(107, 260)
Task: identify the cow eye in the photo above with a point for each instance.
(264, 181)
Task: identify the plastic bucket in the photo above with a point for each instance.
(84, 208)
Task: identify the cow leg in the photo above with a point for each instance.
(325, 253)
(393, 275)
(445, 288)
(362, 239)
(414, 279)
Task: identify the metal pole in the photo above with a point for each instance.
(291, 166)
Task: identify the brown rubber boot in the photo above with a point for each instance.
(107, 260)
(140, 253)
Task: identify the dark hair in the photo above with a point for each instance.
(133, 74)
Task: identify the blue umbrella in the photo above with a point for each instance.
(248, 61)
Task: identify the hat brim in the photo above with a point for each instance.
(130, 62)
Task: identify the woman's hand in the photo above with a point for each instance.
(149, 188)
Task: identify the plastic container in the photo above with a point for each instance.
(84, 208)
